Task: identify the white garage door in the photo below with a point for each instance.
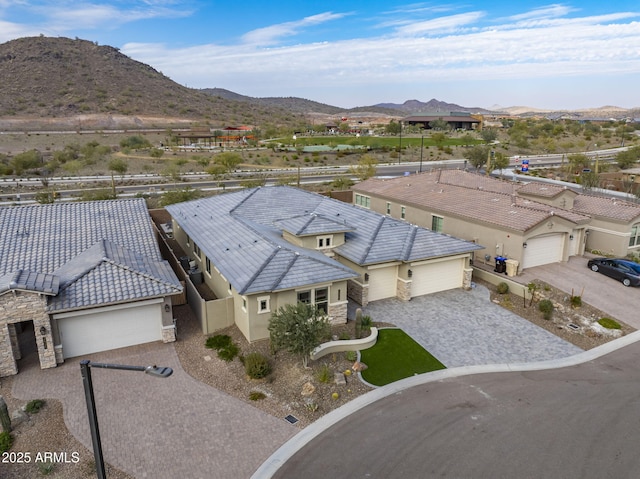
(434, 277)
(542, 250)
(383, 283)
(96, 331)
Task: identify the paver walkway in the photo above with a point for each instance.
(464, 328)
(160, 428)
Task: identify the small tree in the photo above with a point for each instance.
(228, 160)
(366, 167)
(298, 328)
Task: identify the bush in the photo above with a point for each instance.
(229, 352)
(256, 395)
(34, 406)
(218, 341)
(351, 355)
(609, 323)
(324, 375)
(546, 307)
(256, 366)
(366, 322)
(576, 301)
(344, 336)
(6, 441)
(502, 288)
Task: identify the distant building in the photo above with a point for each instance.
(457, 120)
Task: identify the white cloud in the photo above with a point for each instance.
(272, 34)
(448, 24)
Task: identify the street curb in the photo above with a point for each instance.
(297, 442)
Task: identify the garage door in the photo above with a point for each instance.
(434, 277)
(542, 250)
(96, 331)
(382, 283)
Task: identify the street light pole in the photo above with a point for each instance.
(421, 148)
(85, 370)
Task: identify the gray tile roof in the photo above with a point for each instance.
(29, 281)
(68, 242)
(241, 233)
(312, 224)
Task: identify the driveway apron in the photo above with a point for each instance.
(159, 428)
(464, 328)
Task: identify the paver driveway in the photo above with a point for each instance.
(464, 328)
(160, 428)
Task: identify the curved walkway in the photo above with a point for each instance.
(159, 428)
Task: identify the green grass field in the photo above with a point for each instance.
(396, 356)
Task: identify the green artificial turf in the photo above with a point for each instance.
(396, 356)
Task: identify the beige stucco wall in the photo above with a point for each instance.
(609, 238)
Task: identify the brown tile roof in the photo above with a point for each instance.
(480, 199)
(612, 208)
(543, 190)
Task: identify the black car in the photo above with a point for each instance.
(621, 269)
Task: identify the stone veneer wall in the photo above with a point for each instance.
(358, 292)
(16, 307)
(466, 278)
(403, 289)
(338, 312)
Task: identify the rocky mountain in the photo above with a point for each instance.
(44, 77)
(433, 105)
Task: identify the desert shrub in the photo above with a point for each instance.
(6, 441)
(366, 322)
(546, 308)
(34, 406)
(324, 374)
(576, 301)
(46, 468)
(256, 395)
(351, 355)
(218, 341)
(502, 288)
(229, 352)
(256, 366)
(609, 323)
(344, 336)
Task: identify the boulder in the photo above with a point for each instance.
(339, 378)
(308, 389)
(359, 366)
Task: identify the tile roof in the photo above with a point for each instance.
(67, 242)
(241, 233)
(470, 196)
(610, 208)
(29, 281)
(543, 190)
(312, 224)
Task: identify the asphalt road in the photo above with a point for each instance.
(575, 422)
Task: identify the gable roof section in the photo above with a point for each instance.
(84, 254)
(480, 199)
(29, 281)
(241, 233)
(544, 190)
(107, 274)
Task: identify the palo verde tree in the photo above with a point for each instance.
(298, 328)
(228, 160)
(366, 167)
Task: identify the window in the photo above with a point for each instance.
(436, 223)
(188, 240)
(208, 266)
(634, 239)
(304, 297)
(322, 300)
(324, 242)
(264, 304)
(244, 304)
(319, 297)
(196, 250)
(363, 201)
(388, 208)
(403, 212)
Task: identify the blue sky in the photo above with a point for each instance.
(573, 55)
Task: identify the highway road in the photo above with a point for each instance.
(579, 422)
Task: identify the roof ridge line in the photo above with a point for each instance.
(284, 273)
(251, 193)
(412, 238)
(138, 272)
(373, 239)
(262, 267)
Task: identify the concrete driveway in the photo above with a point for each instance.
(464, 328)
(600, 291)
(159, 428)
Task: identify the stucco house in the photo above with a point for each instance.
(87, 277)
(266, 247)
(528, 224)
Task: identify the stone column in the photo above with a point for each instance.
(8, 365)
(403, 289)
(338, 312)
(466, 278)
(44, 342)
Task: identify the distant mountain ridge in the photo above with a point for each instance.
(50, 79)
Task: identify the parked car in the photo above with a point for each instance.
(621, 269)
